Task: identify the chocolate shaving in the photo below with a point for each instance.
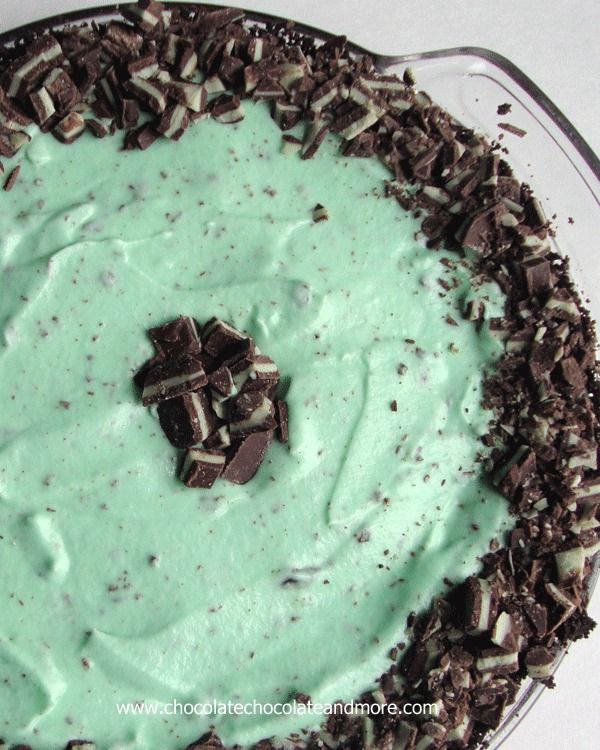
(512, 129)
(12, 178)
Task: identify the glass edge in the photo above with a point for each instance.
(530, 690)
(521, 79)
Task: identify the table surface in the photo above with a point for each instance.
(556, 43)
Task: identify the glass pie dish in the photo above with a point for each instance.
(470, 83)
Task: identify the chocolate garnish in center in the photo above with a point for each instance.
(216, 397)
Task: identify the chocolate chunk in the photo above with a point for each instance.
(246, 456)
(480, 605)
(42, 104)
(69, 128)
(505, 633)
(538, 276)
(504, 109)
(121, 40)
(539, 662)
(219, 439)
(142, 138)
(144, 67)
(128, 113)
(251, 412)
(147, 15)
(314, 135)
(174, 121)
(252, 372)
(97, 128)
(43, 54)
(62, 90)
(498, 661)
(177, 337)
(150, 92)
(220, 339)
(188, 419)
(282, 420)
(320, 213)
(208, 741)
(191, 95)
(286, 115)
(173, 378)
(227, 109)
(12, 178)
(140, 375)
(221, 381)
(201, 467)
(480, 230)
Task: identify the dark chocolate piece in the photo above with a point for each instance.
(251, 412)
(219, 440)
(146, 15)
(173, 378)
(282, 419)
(69, 128)
(221, 381)
(320, 213)
(220, 339)
(246, 456)
(43, 54)
(12, 178)
(177, 337)
(201, 467)
(188, 419)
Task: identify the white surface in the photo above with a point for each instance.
(557, 44)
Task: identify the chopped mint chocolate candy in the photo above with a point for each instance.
(173, 378)
(43, 54)
(195, 380)
(251, 412)
(220, 380)
(188, 419)
(246, 456)
(480, 605)
(12, 178)
(220, 439)
(147, 15)
(539, 662)
(497, 661)
(320, 213)
(260, 372)
(42, 104)
(69, 128)
(178, 337)
(202, 467)
(282, 420)
(220, 339)
(174, 121)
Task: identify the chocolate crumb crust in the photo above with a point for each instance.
(156, 71)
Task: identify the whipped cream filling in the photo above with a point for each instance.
(120, 585)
